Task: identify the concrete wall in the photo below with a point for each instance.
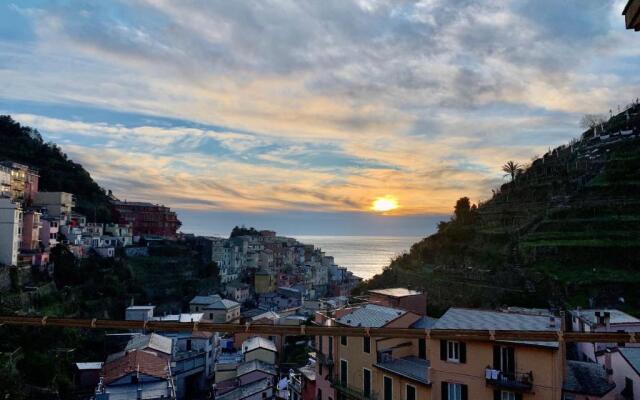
(262, 355)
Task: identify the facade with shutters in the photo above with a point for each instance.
(463, 370)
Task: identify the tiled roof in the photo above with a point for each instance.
(410, 367)
(88, 365)
(222, 304)
(462, 318)
(153, 341)
(616, 316)
(632, 354)
(185, 317)
(258, 342)
(256, 365)
(205, 299)
(395, 292)
(424, 323)
(141, 308)
(270, 315)
(371, 316)
(246, 391)
(137, 360)
(587, 378)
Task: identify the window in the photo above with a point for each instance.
(455, 391)
(453, 351)
(188, 344)
(330, 346)
(343, 372)
(366, 344)
(366, 382)
(507, 396)
(422, 349)
(388, 388)
(319, 394)
(411, 393)
(627, 392)
(343, 340)
(504, 359)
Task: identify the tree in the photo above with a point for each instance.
(512, 169)
(65, 271)
(464, 211)
(590, 121)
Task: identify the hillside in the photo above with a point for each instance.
(566, 231)
(57, 173)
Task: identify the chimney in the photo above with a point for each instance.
(607, 365)
(606, 319)
(552, 321)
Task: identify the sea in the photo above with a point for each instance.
(365, 256)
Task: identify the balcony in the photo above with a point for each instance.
(517, 381)
(350, 392)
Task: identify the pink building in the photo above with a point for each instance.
(49, 232)
(600, 320)
(30, 230)
(624, 363)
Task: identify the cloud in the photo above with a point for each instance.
(312, 105)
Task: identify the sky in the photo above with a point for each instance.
(297, 115)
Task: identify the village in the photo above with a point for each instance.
(274, 280)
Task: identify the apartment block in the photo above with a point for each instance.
(57, 204)
(496, 370)
(10, 231)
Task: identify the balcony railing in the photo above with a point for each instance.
(518, 381)
(350, 392)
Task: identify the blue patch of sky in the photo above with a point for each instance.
(14, 26)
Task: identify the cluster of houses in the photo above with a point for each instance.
(246, 366)
(33, 221)
(276, 272)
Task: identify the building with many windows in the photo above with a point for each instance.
(10, 231)
(147, 219)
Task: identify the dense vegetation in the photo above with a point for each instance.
(243, 231)
(565, 231)
(57, 173)
(37, 362)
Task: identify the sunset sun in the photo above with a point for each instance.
(384, 204)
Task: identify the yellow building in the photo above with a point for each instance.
(495, 370)
(264, 282)
(357, 372)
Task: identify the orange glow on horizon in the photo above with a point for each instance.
(384, 204)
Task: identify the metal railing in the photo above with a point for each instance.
(350, 391)
(286, 330)
(519, 381)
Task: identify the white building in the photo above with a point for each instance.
(10, 231)
(56, 203)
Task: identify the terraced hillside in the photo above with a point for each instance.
(566, 230)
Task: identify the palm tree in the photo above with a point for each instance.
(512, 168)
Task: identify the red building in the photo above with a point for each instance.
(147, 218)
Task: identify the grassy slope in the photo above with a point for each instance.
(565, 232)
